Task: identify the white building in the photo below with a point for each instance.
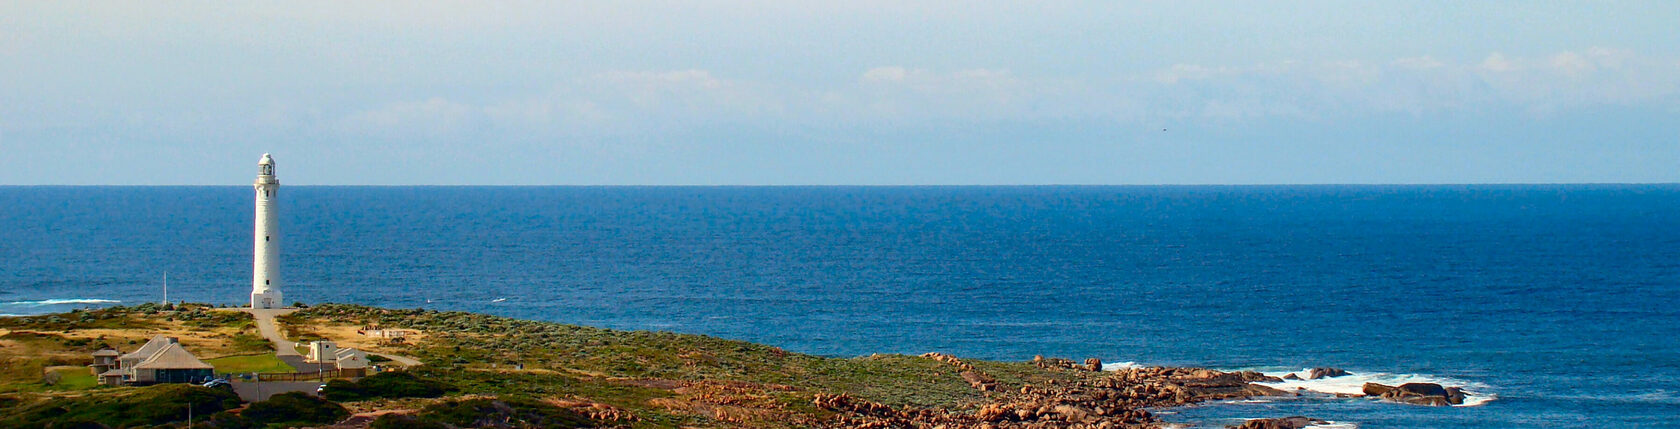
(265, 273)
(351, 361)
(322, 352)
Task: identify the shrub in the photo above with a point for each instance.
(483, 412)
(148, 406)
(384, 385)
(295, 409)
(399, 421)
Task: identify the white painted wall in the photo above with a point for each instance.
(265, 273)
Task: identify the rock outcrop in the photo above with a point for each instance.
(1076, 398)
(1317, 373)
(980, 380)
(1296, 422)
(1417, 393)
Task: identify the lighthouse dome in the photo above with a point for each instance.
(266, 160)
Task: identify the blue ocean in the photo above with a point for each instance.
(1557, 306)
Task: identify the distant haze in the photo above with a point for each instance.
(846, 92)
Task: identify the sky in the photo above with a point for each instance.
(857, 92)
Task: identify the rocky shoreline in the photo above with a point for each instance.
(610, 378)
(1095, 400)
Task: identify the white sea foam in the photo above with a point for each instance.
(1657, 397)
(46, 302)
(1120, 366)
(1354, 383)
(1332, 425)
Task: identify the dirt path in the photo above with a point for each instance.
(286, 350)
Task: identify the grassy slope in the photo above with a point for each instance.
(663, 379)
(478, 353)
(30, 345)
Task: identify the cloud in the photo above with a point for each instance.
(1180, 72)
(964, 80)
(1496, 62)
(1413, 84)
(885, 74)
(676, 79)
(1571, 64)
(1418, 63)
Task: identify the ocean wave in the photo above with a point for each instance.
(66, 301)
(1332, 425)
(1354, 384)
(1120, 366)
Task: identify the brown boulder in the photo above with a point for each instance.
(1093, 364)
(1317, 373)
(1455, 396)
(1374, 389)
(1296, 422)
(1418, 394)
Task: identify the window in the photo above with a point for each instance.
(265, 238)
(265, 282)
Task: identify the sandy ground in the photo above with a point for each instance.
(287, 350)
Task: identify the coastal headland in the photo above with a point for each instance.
(486, 371)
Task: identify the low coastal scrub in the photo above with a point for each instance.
(147, 406)
(485, 413)
(482, 353)
(385, 385)
(294, 409)
(487, 371)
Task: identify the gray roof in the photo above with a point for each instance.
(106, 352)
(151, 348)
(173, 357)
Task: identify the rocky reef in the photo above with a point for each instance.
(1417, 393)
(1095, 400)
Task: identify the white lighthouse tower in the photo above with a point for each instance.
(265, 273)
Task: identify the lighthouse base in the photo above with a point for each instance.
(269, 299)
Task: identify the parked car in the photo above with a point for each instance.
(220, 384)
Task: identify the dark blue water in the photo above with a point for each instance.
(1564, 301)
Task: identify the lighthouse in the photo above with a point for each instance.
(265, 262)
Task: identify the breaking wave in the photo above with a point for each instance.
(1354, 383)
(46, 302)
(1332, 425)
(1119, 366)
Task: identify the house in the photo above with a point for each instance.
(173, 364)
(160, 360)
(104, 361)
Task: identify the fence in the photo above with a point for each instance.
(306, 376)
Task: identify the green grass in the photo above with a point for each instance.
(74, 379)
(263, 363)
(251, 342)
